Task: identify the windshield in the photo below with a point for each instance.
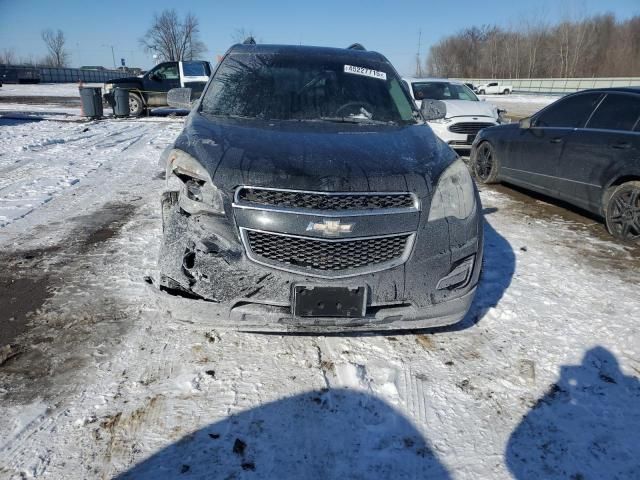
(292, 87)
(443, 91)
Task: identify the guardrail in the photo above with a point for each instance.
(558, 85)
(22, 74)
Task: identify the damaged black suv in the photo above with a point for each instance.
(307, 192)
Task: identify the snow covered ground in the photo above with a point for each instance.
(520, 105)
(43, 90)
(106, 379)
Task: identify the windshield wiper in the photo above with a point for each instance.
(356, 120)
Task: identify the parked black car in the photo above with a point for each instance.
(150, 89)
(583, 149)
(306, 191)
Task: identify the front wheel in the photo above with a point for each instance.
(481, 92)
(622, 212)
(136, 105)
(485, 164)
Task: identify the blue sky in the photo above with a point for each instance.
(390, 27)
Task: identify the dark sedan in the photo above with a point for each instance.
(583, 149)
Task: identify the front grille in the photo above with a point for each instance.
(321, 201)
(327, 256)
(469, 128)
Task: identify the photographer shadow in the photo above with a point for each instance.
(326, 434)
(586, 426)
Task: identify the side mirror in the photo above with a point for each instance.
(179, 98)
(433, 109)
(525, 123)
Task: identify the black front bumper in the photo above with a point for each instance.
(204, 258)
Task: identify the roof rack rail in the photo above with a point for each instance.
(249, 41)
(356, 46)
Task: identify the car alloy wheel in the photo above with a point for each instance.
(135, 105)
(623, 212)
(484, 166)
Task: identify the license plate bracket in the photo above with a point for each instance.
(312, 301)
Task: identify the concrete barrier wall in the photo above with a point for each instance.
(22, 74)
(558, 85)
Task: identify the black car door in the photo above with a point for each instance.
(534, 152)
(159, 81)
(593, 154)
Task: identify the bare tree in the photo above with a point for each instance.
(173, 39)
(239, 35)
(58, 55)
(7, 57)
(577, 46)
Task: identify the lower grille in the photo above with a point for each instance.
(304, 253)
(469, 128)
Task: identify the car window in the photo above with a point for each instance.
(442, 91)
(168, 72)
(616, 112)
(292, 87)
(493, 84)
(193, 69)
(569, 112)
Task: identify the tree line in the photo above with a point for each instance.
(596, 46)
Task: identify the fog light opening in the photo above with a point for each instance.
(459, 276)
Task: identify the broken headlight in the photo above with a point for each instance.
(197, 193)
(454, 195)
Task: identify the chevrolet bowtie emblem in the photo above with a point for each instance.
(330, 228)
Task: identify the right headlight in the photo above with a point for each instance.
(197, 193)
(454, 196)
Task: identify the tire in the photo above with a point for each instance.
(485, 165)
(136, 105)
(506, 92)
(481, 92)
(622, 212)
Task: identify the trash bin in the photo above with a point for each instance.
(121, 104)
(91, 101)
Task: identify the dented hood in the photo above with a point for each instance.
(321, 156)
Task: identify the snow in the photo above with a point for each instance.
(43, 89)
(539, 381)
(537, 99)
(520, 105)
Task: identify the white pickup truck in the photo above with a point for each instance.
(495, 88)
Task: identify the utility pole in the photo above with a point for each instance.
(418, 71)
(113, 56)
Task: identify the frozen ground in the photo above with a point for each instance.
(519, 105)
(100, 378)
(43, 90)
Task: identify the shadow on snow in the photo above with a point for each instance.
(586, 426)
(335, 433)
